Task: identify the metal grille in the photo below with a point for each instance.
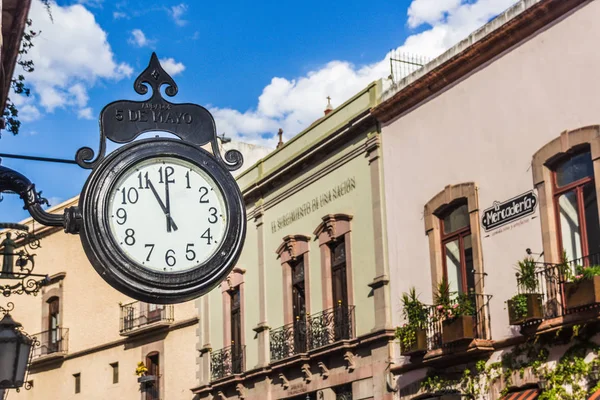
(403, 64)
(138, 314)
(51, 341)
(314, 331)
(227, 361)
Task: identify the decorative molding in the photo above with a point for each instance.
(350, 359)
(206, 348)
(284, 381)
(292, 247)
(305, 369)
(378, 282)
(332, 227)
(261, 327)
(240, 390)
(56, 278)
(324, 370)
(219, 396)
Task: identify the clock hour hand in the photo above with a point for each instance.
(163, 207)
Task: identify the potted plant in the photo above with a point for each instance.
(583, 287)
(141, 372)
(413, 334)
(526, 306)
(456, 311)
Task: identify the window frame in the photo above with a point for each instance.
(578, 186)
(459, 234)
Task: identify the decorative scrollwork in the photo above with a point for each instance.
(227, 361)
(8, 308)
(18, 265)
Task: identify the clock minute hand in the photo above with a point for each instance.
(170, 222)
(163, 207)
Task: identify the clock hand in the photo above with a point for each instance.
(163, 207)
(170, 222)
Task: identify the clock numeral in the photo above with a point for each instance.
(130, 195)
(187, 177)
(150, 252)
(170, 258)
(213, 215)
(121, 215)
(203, 193)
(206, 235)
(129, 239)
(168, 172)
(142, 186)
(189, 253)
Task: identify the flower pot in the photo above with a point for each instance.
(418, 346)
(147, 379)
(457, 329)
(534, 310)
(582, 293)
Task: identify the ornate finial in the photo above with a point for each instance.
(329, 107)
(155, 76)
(280, 134)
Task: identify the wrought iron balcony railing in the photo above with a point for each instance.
(54, 341)
(552, 280)
(138, 314)
(312, 332)
(478, 326)
(227, 361)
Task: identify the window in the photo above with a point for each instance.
(115, 372)
(236, 328)
(457, 249)
(339, 290)
(576, 205)
(299, 305)
(155, 312)
(77, 382)
(53, 324)
(152, 363)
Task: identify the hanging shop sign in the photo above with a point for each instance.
(502, 213)
(162, 220)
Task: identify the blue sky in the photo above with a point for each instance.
(257, 66)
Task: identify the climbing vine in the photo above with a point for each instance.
(568, 379)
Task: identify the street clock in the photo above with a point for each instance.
(162, 220)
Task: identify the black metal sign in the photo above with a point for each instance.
(502, 213)
(161, 220)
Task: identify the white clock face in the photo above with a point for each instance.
(167, 214)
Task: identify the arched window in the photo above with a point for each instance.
(153, 365)
(457, 249)
(576, 204)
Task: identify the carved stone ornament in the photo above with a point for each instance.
(306, 372)
(285, 383)
(219, 396)
(324, 370)
(292, 246)
(332, 227)
(241, 391)
(350, 359)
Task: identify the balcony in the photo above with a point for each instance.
(53, 346)
(139, 318)
(313, 332)
(227, 361)
(564, 299)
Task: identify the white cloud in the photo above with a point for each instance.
(85, 113)
(171, 66)
(293, 104)
(62, 78)
(119, 15)
(177, 12)
(139, 39)
(28, 113)
(91, 3)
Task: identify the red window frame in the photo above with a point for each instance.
(578, 187)
(452, 236)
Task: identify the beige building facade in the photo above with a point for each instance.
(490, 158)
(306, 311)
